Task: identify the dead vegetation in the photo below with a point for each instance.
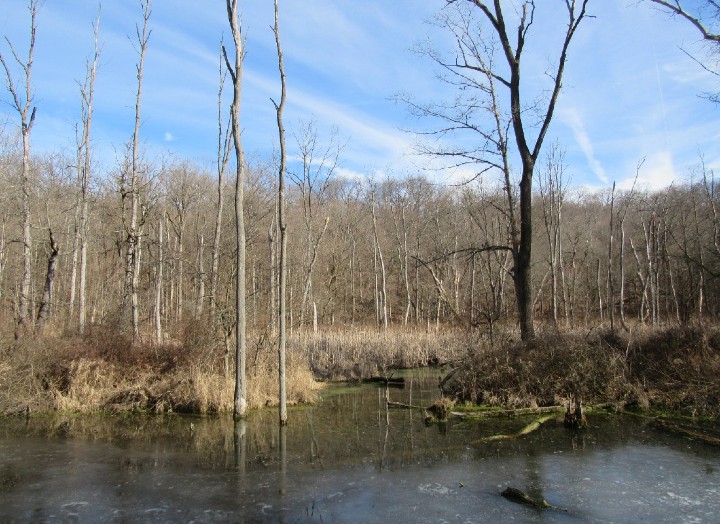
(674, 369)
(364, 353)
(105, 372)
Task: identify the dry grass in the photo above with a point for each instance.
(106, 373)
(362, 353)
(672, 368)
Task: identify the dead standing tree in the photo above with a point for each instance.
(22, 103)
(223, 157)
(84, 161)
(132, 248)
(492, 105)
(235, 71)
(282, 226)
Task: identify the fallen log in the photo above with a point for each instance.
(386, 381)
(679, 429)
(520, 497)
(533, 426)
(507, 412)
(400, 405)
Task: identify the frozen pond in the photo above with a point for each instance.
(349, 459)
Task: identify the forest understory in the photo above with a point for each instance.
(671, 369)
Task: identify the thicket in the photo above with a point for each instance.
(669, 369)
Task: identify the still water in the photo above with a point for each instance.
(349, 459)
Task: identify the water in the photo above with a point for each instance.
(349, 459)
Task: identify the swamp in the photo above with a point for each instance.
(515, 316)
(351, 458)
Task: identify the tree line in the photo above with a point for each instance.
(398, 251)
(147, 247)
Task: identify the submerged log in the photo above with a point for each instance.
(386, 381)
(533, 426)
(400, 405)
(679, 429)
(519, 496)
(507, 412)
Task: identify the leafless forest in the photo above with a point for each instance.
(399, 252)
(141, 258)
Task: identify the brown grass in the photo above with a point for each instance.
(367, 352)
(672, 369)
(102, 372)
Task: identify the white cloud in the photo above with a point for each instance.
(168, 137)
(572, 119)
(657, 172)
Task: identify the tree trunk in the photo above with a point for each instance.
(133, 238)
(201, 276)
(382, 302)
(235, 70)
(523, 258)
(27, 118)
(159, 287)
(223, 157)
(282, 307)
(610, 279)
(46, 303)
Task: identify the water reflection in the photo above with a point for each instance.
(348, 459)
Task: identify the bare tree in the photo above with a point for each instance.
(183, 193)
(159, 283)
(282, 226)
(223, 156)
(381, 293)
(484, 86)
(235, 70)
(552, 193)
(318, 167)
(22, 103)
(132, 253)
(84, 162)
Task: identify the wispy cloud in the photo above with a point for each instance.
(572, 119)
(368, 137)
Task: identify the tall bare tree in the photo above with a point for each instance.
(84, 163)
(318, 166)
(235, 70)
(132, 249)
(23, 103)
(488, 65)
(282, 226)
(223, 156)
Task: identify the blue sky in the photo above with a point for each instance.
(631, 93)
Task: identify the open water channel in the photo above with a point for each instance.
(349, 459)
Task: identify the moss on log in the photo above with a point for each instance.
(533, 426)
